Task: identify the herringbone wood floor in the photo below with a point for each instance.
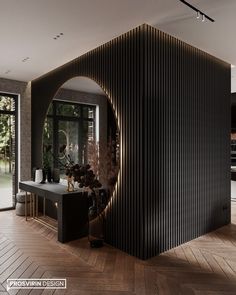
(206, 265)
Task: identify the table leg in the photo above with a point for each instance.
(37, 206)
(30, 213)
(44, 205)
(33, 205)
(26, 206)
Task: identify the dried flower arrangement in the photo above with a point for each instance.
(104, 161)
(83, 174)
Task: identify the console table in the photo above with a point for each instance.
(72, 207)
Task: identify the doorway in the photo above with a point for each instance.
(8, 150)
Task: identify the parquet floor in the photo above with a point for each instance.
(206, 265)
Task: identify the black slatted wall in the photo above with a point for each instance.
(172, 103)
(187, 142)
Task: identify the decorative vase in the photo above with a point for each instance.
(38, 175)
(33, 173)
(96, 221)
(49, 174)
(56, 175)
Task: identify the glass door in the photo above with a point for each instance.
(8, 177)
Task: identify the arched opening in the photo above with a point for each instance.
(80, 128)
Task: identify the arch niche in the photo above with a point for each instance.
(79, 101)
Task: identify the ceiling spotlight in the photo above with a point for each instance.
(25, 59)
(198, 11)
(58, 36)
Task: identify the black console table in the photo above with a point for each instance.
(72, 207)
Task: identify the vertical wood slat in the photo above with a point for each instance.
(185, 169)
(172, 105)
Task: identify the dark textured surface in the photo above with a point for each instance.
(187, 150)
(72, 207)
(233, 111)
(172, 102)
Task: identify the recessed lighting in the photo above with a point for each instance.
(25, 59)
(58, 36)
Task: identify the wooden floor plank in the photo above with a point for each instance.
(206, 265)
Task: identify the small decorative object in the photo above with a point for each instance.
(47, 162)
(38, 175)
(56, 175)
(33, 173)
(44, 175)
(49, 174)
(70, 185)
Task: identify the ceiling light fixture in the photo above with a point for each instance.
(25, 59)
(199, 12)
(58, 36)
(7, 72)
(232, 66)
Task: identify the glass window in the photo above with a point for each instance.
(48, 143)
(7, 103)
(67, 131)
(89, 112)
(66, 109)
(8, 148)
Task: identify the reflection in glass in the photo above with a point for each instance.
(68, 128)
(67, 109)
(68, 136)
(73, 136)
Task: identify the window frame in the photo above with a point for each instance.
(80, 119)
(15, 97)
